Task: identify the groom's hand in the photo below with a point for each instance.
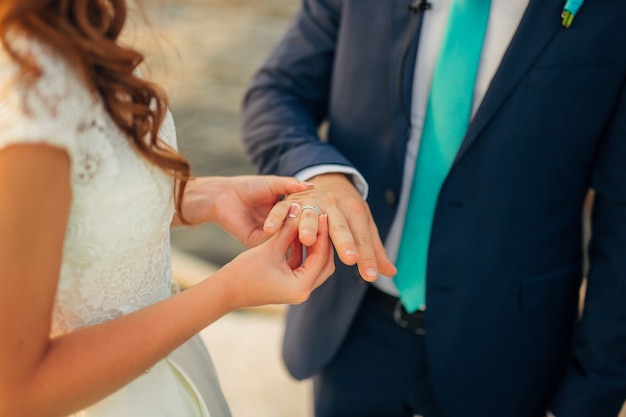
(351, 227)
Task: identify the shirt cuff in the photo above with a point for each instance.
(355, 176)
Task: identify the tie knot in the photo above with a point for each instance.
(472, 4)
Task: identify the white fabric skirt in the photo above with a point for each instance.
(182, 385)
(165, 391)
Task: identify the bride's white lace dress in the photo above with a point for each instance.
(117, 245)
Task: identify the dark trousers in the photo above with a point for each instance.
(380, 371)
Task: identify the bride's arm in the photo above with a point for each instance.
(40, 376)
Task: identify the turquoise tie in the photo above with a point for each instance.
(445, 125)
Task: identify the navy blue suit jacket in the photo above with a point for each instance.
(506, 253)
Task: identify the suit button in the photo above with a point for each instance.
(391, 197)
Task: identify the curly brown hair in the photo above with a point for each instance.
(86, 33)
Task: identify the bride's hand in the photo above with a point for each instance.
(272, 273)
(240, 205)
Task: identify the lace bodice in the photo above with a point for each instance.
(117, 249)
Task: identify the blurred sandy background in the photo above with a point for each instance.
(204, 52)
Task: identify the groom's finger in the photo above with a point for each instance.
(329, 266)
(316, 262)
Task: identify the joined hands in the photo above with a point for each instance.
(351, 227)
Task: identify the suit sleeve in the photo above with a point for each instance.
(287, 100)
(595, 381)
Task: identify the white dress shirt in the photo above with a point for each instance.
(504, 17)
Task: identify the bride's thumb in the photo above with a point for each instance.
(289, 230)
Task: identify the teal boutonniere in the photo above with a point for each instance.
(569, 11)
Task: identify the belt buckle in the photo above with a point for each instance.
(409, 321)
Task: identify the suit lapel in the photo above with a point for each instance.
(405, 38)
(540, 23)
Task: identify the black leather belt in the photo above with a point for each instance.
(393, 306)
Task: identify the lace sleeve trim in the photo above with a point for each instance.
(52, 110)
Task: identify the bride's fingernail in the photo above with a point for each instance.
(308, 184)
(294, 210)
(270, 224)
